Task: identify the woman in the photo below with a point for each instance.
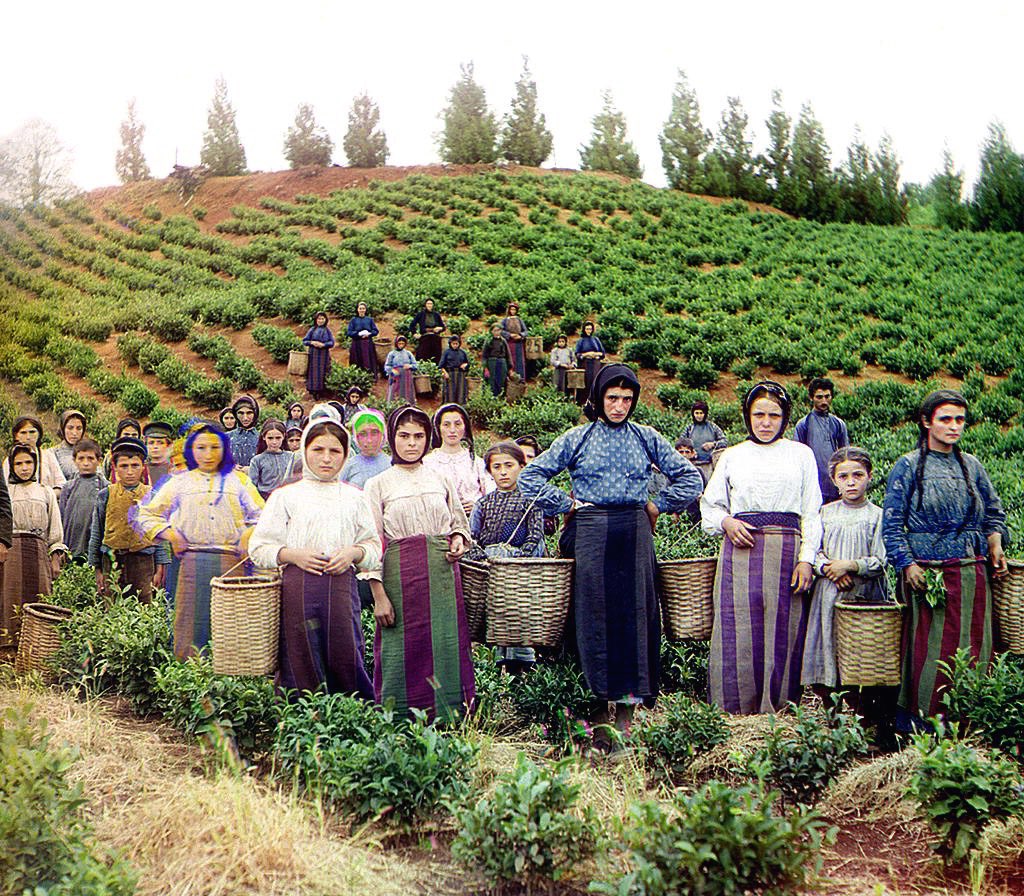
(206, 514)
(296, 413)
(319, 341)
(318, 529)
(610, 533)
(228, 420)
(71, 431)
(368, 428)
(497, 361)
(589, 350)
(514, 331)
(764, 497)
(707, 437)
(422, 649)
(453, 455)
(430, 326)
(942, 520)
(361, 330)
(353, 404)
(454, 364)
(400, 366)
(28, 430)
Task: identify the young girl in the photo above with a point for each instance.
(318, 529)
(400, 367)
(207, 515)
(33, 560)
(353, 404)
(227, 418)
(72, 431)
(453, 455)
(503, 523)
(272, 464)
(28, 431)
(319, 341)
(422, 651)
(293, 435)
(368, 428)
(562, 360)
(296, 414)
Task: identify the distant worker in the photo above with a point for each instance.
(823, 432)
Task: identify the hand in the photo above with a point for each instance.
(464, 366)
(101, 582)
(836, 569)
(803, 575)
(844, 583)
(160, 576)
(739, 533)
(487, 373)
(308, 561)
(997, 557)
(652, 513)
(914, 577)
(383, 610)
(707, 446)
(515, 337)
(3, 554)
(344, 559)
(55, 565)
(177, 540)
(444, 373)
(456, 547)
(243, 541)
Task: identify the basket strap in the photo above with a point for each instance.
(508, 541)
(233, 568)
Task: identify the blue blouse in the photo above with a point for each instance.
(399, 357)
(358, 324)
(243, 445)
(319, 334)
(588, 344)
(611, 465)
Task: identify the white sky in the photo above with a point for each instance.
(929, 73)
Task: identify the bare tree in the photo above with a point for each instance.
(34, 166)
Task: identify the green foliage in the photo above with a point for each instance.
(152, 211)
(222, 151)
(987, 702)
(999, 193)
(278, 341)
(718, 841)
(366, 146)
(669, 739)
(341, 378)
(526, 830)
(130, 162)
(306, 142)
(677, 538)
(684, 140)
(46, 844)
(684, 668)
(556, 697)
(75, 587)
(961, 789)
(470, 132)
(609, 149)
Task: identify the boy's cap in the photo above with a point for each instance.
(129, 445)
(158, 430)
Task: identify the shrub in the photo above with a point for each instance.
(138, 399)
(199, 213)
(697, 373)
(988, 700)
(669, 739)
(526, 830)
(278, 341)
(152, 211)
(556, 697)
(213, 394)
(684, 668)
(343, 377)
(75, 587)
(718, 841)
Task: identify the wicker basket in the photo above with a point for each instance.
(245, 618)
(298, 363)
(382, 346)
(1008, 604)
(514, 391)
(686, 588)
(576, 378)
(868, 643)
(474, 593)
(39, 637)
(423, 384)
(528, 601)
(534, 348)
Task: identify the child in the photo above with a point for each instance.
(562, 360)
(158, 437)
(72, 430)
(296, 414)
(453, 455)
(78, 498)
(368, 429)
(245, 437)
(353, 404)
(127, 427)
(227, 418)
(850, 564)
(503, 522)
(112, 540)
(272, 464)
(37, 540)
(497, 361)
(318, 529)
(28, 430)
(400, 367)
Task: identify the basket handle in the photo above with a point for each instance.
(233, 568)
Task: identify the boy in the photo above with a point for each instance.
(77, 500)
(245, 436)
(158, 438)
(113, 540)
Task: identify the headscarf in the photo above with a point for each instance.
(246, 400)
(368, 417)
(454, 339)
(355, 390)
(700, 405)
(435, 425)
(66, 416)
(609, 375)
(124, 423)
(932, 402)
(230, 409)
(323, 416)
(28, 418)
(400, 338)
(323, 314)
(400, 415)
(777, 393)
(296, 404)
(270, 424)
(14, 452)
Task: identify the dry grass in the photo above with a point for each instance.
(874, 791)
(746, 734)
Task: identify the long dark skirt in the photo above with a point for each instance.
(591, 368)
(498, 370)
(932, 636)
(402, 385)
(757, 639)
(455, 388)
(423, 661)
(192, 574)
(319, 367)
(363, 353)
(25, 575)
(559, 378)
(321, 641)
(136, 572)
(518, 352)
(429, 348)
(615, 602)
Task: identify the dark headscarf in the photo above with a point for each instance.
(435, 426)
(322, 314)
(700, 405)
(14, 452)
(399, 416)
(247, 400)
(28, 418)
(777, 393)
(228, 410)
(68, 415)
(270, 424)
(124, 423)
(611, 375)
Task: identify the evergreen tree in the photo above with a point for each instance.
(306, 142)
(34, 166)
(946, 190)
(525, 138)
(811, 190)
(609, 150)
(774, 164)
(858, 183)
(891, 204)
(130, 163)
(366, 146)
(222, 151)
(684, 141)
(730, 165)
(999, 193)
(470, 131)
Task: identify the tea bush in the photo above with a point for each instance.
(75, 587)
(668, 740)
(684, 668)
(278, 341)
(555, 696)
(987, 702)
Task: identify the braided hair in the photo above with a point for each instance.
(932, 402)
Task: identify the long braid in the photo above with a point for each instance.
(922, 457)
(959, 455)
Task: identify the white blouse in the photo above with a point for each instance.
(472, 481)
(781, 477)
(34, 511)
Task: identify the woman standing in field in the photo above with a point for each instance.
(319, 341)
(707, 437)
(590, 351)
(361, 330)
(514, 330)
(453, 455)
(942, 524)
(497, 361)
(764, 497)
(430, 326)
(72, 431)
(454, 365)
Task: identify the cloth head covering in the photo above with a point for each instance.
(355, 390)
(243, 400)
(269, 424)
(157, 429)
(435, 426)
(124, 423)
(197, 428)
(400, 338)
(27, 418)
(296, 404)
(338, 406)
(454, 338)
(368, 417)
(323, 415)
(12, 477)
(401, 415)
(511, 305)
(228, 410)
(320, 313)
(606, 376)
(699, 405)
(777, 393)
(129, 445)
(68, 415)
(291, 426)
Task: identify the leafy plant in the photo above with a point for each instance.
(668, 739)
(684, 668)
(556, 697)
(987, 702)
(679, 539)
(75, 587)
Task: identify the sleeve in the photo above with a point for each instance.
(897, 496)
(800, 431)
(256, 471)
(308, 338)
(417, 324)
(54, 474)
(162, 554)
(572, 358)
(440, 320)
(476, 520)
(720, 440)
(251, 501)
(375, 500)
(995, 515)
(810, 509)
(843, 435)
(271, 532)
(460, 523)
(820, 559)
(389, 363)
(98, 529)
(684, 481)
(534, 480)
(352, 330)
(533, 546)
(55, 535)
(600, 346)
(373, 328)
(367, 536)
(329, 341)
(6, 514)
(714, 503)
(551, 358)
(873, 565)
(688, 432)
(149, 516)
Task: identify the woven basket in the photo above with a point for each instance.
(423, 385)
(474, 594)
(534, 348)
(298, 363)
(39, 637)
(382, 346)
(1008, 604)
(868, 643)
(245, 618)
(686, 588)
(514, 391)
(575, 379)
(528, 601)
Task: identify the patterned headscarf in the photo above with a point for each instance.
(368, 417)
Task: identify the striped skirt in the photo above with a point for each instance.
(25, 575)
(192, 574)
(319, 367)
(423, 661)
(615, 604)
(363, 353)
(757, 638)
(401, 385)
(932, 636)
(321, 640)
